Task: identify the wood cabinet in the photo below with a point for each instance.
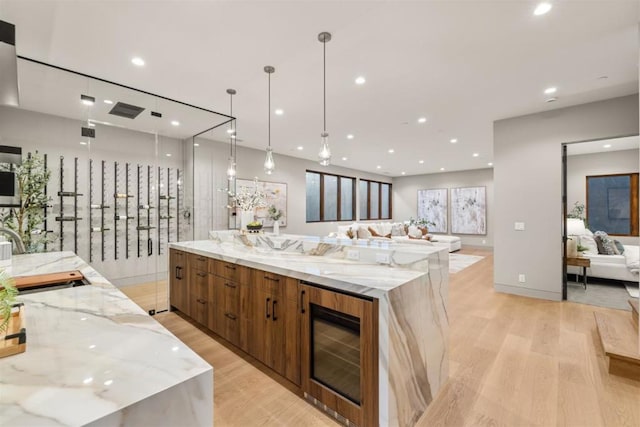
(339, 359)
(230, 287)
(178, 284)
(198, 298)
(274, 324)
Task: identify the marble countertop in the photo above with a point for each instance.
(91, 351)
(329, 267)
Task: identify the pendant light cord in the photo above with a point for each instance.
(269, 103)
(324, 83)
(232, 122)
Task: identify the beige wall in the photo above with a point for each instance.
(405, 196)
(527, 185)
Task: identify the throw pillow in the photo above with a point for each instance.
(374, 233)
(619, 246)
(589, 243)
(363, 233)
(608, 246)
(599, 244)
(398, 230)
(414, 232)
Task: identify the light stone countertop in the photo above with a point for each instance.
(91, 353)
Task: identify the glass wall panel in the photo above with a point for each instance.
(330, 197)
(313, 197)
(364, 199)
(374, 200)
(385, 201)
(346, 199)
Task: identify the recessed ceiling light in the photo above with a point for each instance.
(422, 120)
(607, 145)
(603, 77)
(403, 173)
(476, 154)
(441, 169)
(300, 148)
(391, 150)
(378, 167)
(92, 125)
(542, 8)
(175, 123)
(233, 136)
(554, 99)
(195, 144)
(83, 143)
(550, 90)
(490, 164)
(230, 131)
(421, 161)
(360, 80)
(279, 112)
(87, 100)
(108, 101)
(350, 136)
(137, 61)
(453, 140)
(344, 159)
(168, 154)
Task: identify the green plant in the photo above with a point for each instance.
(421, 222)
(8, 293)
(582, 248)
(274, 213)
(27, 219)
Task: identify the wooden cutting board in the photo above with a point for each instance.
(26, 282)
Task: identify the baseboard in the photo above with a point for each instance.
(528, 292)
(136, 280)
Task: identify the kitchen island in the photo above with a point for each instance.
(389, 302)
(95, 358)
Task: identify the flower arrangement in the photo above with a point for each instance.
(248, 199)
(274, 213)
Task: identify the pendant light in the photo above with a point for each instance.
(269, 164)
(325, 153)
(231, 165)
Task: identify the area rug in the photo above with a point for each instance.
(458, 262)
(633, 289)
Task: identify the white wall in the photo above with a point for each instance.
(405, 196)
(527, 185)
(57, 136)
(605, 163)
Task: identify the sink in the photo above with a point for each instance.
(49, 282)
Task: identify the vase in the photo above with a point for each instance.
(276, 227)
(246, 216)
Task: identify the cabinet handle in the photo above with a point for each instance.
(271, 278)
(178, 276)
(231, 316)
(267, 308)
(201, 301)
(201, 258)
(302, 310)
(201, 274)
(231, 267)
(274, 310)
(231, 285)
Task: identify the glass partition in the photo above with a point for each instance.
(121, 174)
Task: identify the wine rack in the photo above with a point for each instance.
(62, 194)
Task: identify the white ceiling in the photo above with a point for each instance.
(604, 145)
(461, 64)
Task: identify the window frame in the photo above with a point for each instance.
(338, 196)
(390, 198)
(634, 226)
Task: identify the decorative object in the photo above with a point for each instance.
(254, 226)
(269, 164)
(610, 201)
(422, 224)
(274, 193)
(432, 205)
(27, 220)
(231, 167)
(246, 217)
(469, 210)
(13, 335)
(274, 215)
(325, 153)
(8, 293)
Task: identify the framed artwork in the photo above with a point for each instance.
(276, 196)
(432, 206)
(469, 210)
(612, 203)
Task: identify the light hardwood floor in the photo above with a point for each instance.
(514, 361)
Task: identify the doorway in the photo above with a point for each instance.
(600, 221)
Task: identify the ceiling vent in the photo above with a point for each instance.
(126, 110)
(8, 65)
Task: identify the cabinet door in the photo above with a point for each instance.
(178, 289)
(231, 311)
(199, 296)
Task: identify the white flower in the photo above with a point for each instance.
(249, 198)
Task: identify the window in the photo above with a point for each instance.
(330, 197)
(612, 204)
(375, 200)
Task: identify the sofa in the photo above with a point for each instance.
(396, 232)
(618, 266)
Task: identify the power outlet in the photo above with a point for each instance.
(353, 255)
(522, 278)
(484, 242)
(383, 258)
(519, 226)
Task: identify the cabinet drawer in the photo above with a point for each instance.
(227, 270)
(269, 283)
(231, 297)
(231, 326)
(199, 262)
